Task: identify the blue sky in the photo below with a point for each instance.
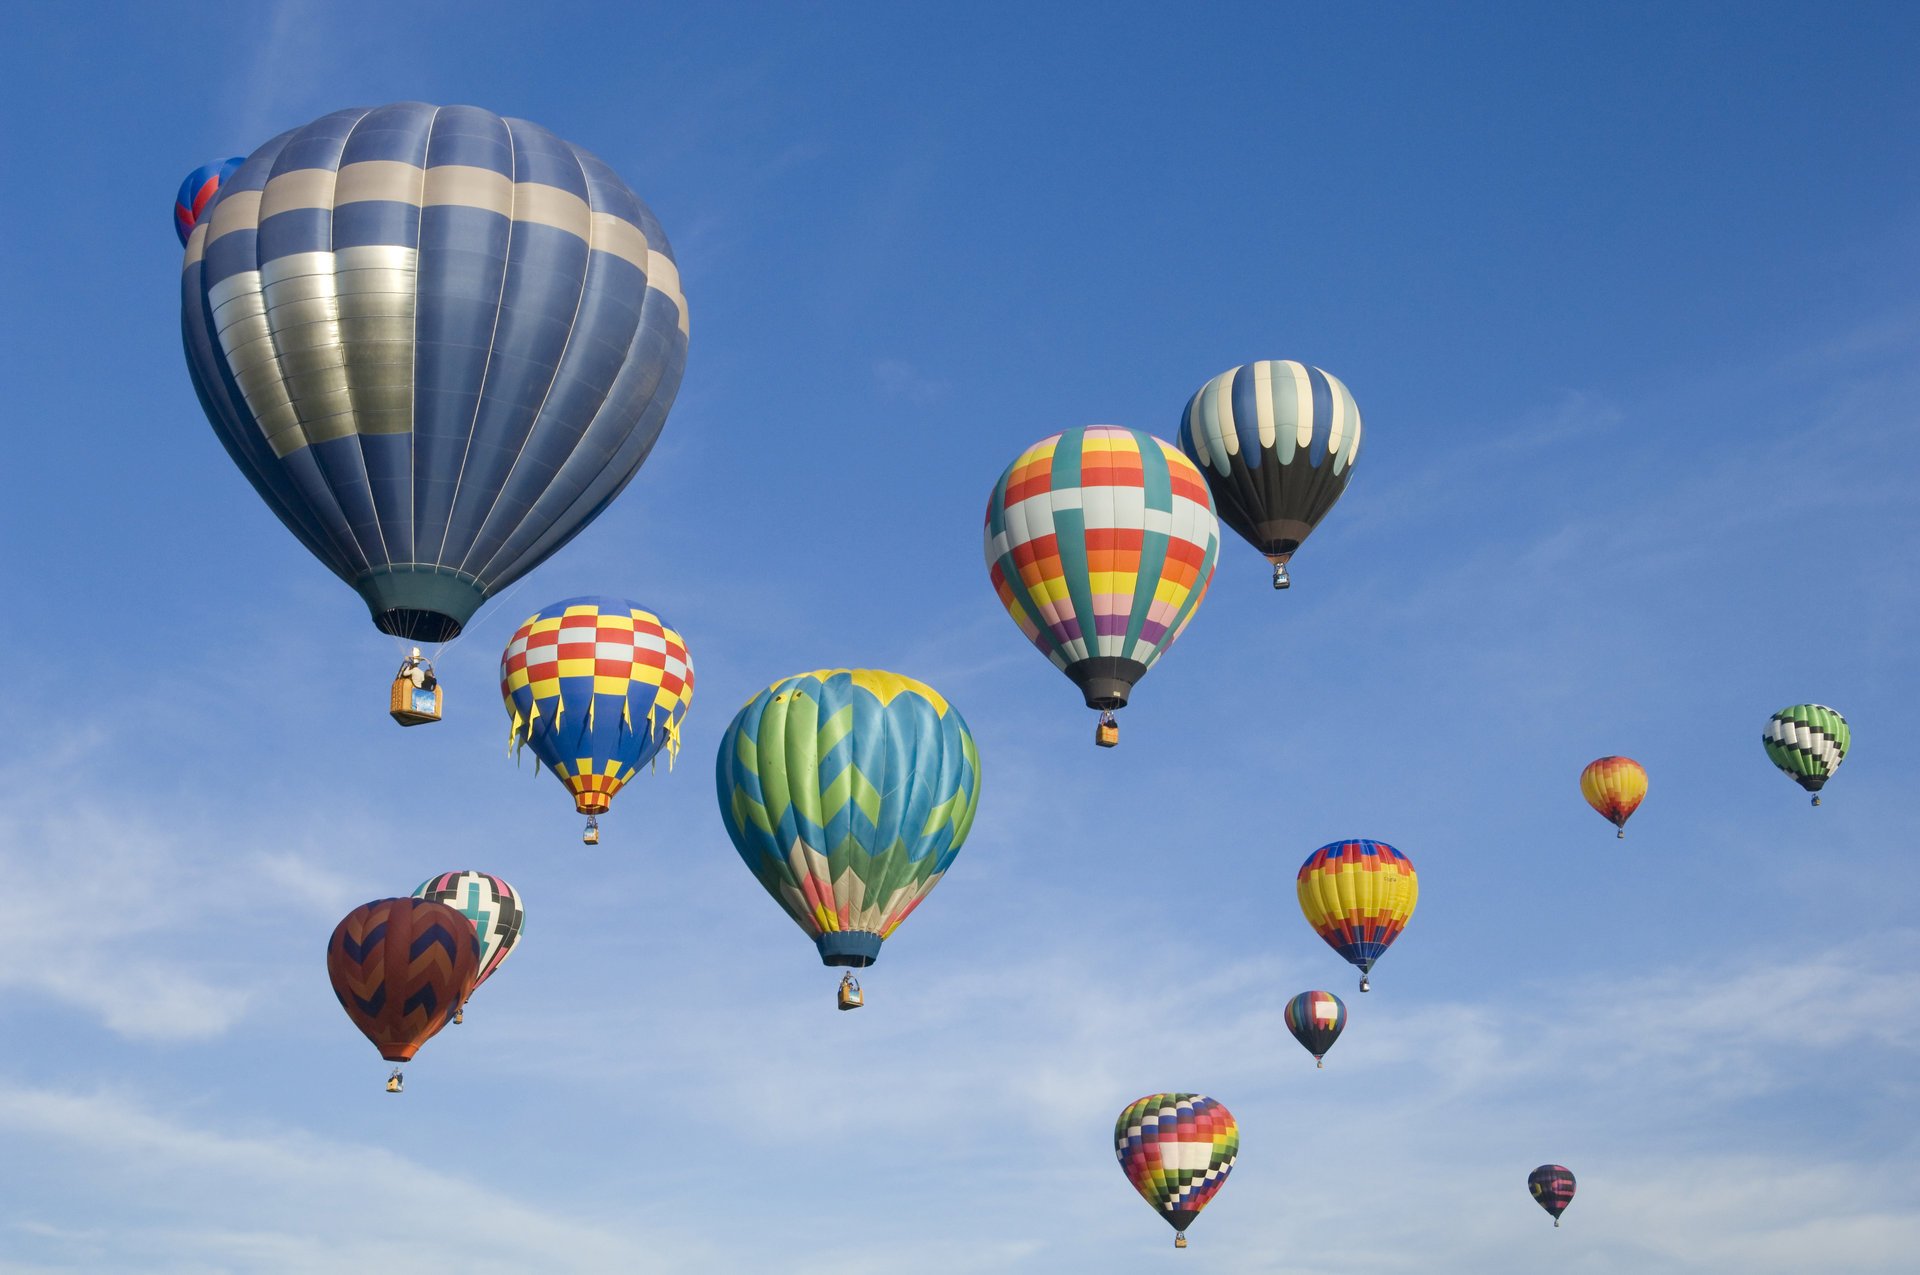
(1627, 296)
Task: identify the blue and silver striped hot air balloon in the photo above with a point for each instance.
(437, 342)
(1277, 441)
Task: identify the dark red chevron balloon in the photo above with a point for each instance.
(400, 968)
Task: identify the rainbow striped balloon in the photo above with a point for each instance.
(1358, 895)
(1177, 1149)
(1101, 542)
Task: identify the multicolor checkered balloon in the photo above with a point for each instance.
(848, 792)
(1100, 542)
(1808, 742)
(1176, 1149)
(1357, 895)
(597, 687)
(490, 903)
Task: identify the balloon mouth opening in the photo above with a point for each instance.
(855, 949)
(417, 626)
(592, 803)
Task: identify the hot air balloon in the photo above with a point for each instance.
(1176, 1149)
(1100, 542)
(1277, 441)
(596, 687)
(1552, 1187)
(1808, 742)
(1316, 1020)
(848, 792)
(197, 191)
(400, 968)
(436, 341)
(491, 905)
(1615, 786)
(1357, 895)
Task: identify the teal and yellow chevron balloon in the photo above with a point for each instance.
(1808, 741)
(848, 792)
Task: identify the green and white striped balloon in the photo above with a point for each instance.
(1808, 741)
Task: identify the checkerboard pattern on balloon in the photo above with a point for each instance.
(1808, 741)
(1100, 541)
(596, 687)
(1176, 1149)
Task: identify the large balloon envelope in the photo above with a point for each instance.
(401, 968)
(437, 342)
(1277, 441)
(1357, 895)
(491, 904)
(197, 192)
(1177, 1149)
(1808, 742)
(1552, 1187)
(1614, 786)
(1100, 542)
(1316, 1020)
(597, 687)
(848, 792)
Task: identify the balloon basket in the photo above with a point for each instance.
(1280, 578)
(412, 705)
(851, 997)
(1106, 732)
(1179, 1239)
(590, 835)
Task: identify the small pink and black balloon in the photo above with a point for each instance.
(1552, 1187)
(197, 192)
(1316, 1020)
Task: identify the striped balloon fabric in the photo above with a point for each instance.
(1808, 742)
(1358, 895)
(1177, 1149)
(400, 968)
(1316, 1020)
(848, 792)
(490, 903)
(1277, 441)
(597, 687)
(197, 192)
(1614, 786)
(1100, 542)
(1552, 1188)
(438, 343)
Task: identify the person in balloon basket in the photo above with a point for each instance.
(416, 670)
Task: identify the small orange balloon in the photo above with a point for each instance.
(1615, 786)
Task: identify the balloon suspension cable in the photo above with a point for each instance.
(1280, 578)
